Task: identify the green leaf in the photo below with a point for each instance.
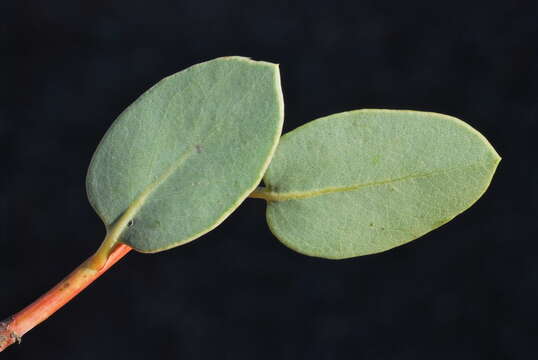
(186, 153)
(366, 181)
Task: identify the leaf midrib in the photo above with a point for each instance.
(276, 196)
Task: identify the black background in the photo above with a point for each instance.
(468, 290)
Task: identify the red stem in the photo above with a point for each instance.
(13, 328)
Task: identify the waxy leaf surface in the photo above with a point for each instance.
(186, 153)
(366, 181)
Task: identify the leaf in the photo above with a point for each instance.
(363, 182)
(186, 153)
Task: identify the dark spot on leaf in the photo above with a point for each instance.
(130, 223)
(371, 224)
(382, 228)
(199, 148)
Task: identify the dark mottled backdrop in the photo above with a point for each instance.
(468, 290)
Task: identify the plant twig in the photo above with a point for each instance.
(259, 193)
(13, 328)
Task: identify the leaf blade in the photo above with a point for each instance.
(312, 178)
(185, 154)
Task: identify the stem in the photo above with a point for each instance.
(268, 195)
(13, 328)
(259, 193)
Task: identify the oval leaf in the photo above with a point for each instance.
(186, 153)
(366, 181)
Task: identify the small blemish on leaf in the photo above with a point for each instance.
(371, 224)
(130, 223)
(199, 148)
